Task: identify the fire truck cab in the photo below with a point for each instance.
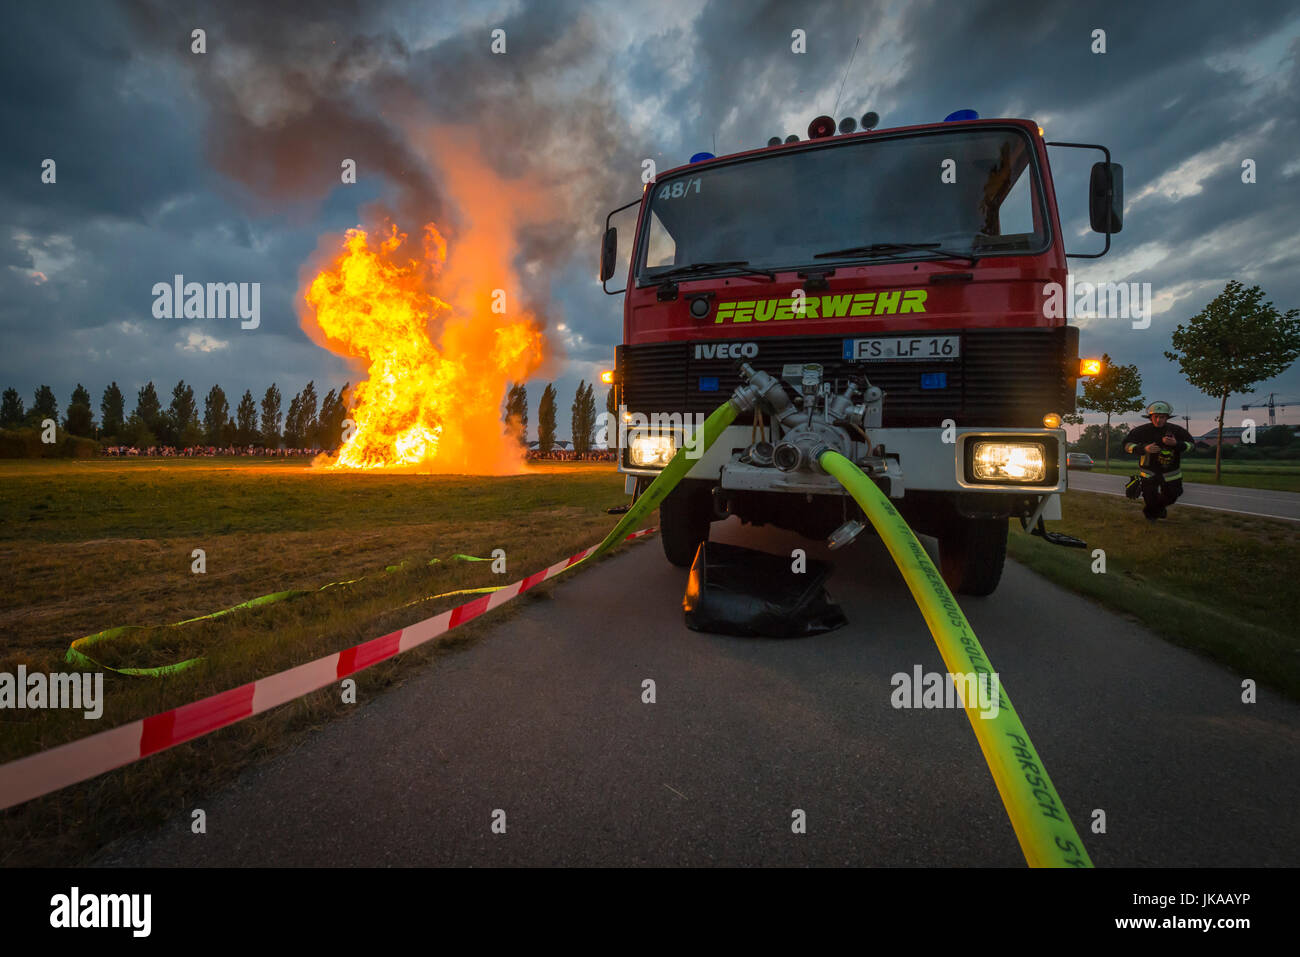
(898, 284)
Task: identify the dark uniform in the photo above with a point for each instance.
(1160, 473)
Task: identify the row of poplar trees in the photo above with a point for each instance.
(582, 415)
(307, 423)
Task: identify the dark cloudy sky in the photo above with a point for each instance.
(224, 167)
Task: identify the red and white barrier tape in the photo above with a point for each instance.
(85, 758)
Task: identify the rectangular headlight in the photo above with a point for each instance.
(1016, 463)
(651, 451)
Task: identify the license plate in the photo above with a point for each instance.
(902, 347)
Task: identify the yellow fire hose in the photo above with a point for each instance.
(1047, 837)
(1037, 813)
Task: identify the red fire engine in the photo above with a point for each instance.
(894, 283)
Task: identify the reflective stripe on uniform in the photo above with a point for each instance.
(1170, 476)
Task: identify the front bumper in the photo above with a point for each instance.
(918, 459)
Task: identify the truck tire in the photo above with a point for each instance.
(684, 519)
(972, 552)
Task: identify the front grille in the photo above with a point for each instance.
(1005, 377)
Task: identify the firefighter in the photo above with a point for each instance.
(1161, 445)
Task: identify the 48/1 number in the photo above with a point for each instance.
(679, 188)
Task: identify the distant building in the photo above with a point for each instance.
(1232, 435)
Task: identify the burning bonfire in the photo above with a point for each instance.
(437, 370)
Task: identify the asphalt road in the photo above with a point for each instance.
(1250, 501)
(543, 718)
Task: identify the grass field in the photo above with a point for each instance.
(1283, 476)
(85, 545)
(1220, 583)
(93, 544)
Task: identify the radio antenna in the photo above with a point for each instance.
(846, 75)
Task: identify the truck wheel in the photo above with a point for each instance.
(684, 519)
(971, 554)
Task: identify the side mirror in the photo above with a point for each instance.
(609, 253)
(1106, 198)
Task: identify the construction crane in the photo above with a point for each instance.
(1272, 405)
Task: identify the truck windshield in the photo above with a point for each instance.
(966, 190)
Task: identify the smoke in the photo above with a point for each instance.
(290, 90)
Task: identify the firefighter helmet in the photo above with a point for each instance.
(1159, 408)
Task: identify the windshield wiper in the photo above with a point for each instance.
(741, 265)
(874, 250)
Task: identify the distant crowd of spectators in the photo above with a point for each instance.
(569, 455)
(200, 451)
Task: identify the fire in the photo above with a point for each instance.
(432, 405)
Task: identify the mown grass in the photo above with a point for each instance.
(89, 545)
(1278, 476)
(1219, 583)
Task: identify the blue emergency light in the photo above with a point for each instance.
(956, 116)
(701, 157)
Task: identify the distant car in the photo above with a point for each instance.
(1078, 460)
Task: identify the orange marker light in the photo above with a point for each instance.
(1051, 421)
(607, 377)
(1089, 367)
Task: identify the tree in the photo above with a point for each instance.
(183, 412)
(1233, 343)
(136, 433)
(11, 409)
(148, 407)
(246, 420)
(326, 437)
(516, 416)
(80, 420)
(293, 423)
(333, 410)
(546, 420)
(1115, 390)
(45, 406)
(216, 411)
(192, 435)
(308, 427)
(112, 410)
(1096, 439)
(583, 417)
(271, 417)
